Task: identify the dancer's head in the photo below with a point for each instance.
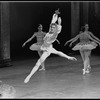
(86, 27)
(40, 27)
(53, 27)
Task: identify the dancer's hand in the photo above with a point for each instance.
(66, 43)
(41, 69)
(72, 58)
(70, 44)
(23, 45)
(57, 11)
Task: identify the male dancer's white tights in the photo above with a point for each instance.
(42, 59)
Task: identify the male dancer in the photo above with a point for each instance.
(47, 46)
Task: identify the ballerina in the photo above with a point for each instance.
(36, 46)
(87, 42)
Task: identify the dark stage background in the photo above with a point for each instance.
(24, 20)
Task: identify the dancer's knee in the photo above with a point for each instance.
(39, 62)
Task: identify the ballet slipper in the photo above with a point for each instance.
(87, 71)
(27, 80)
(41, 69)
(83, 71)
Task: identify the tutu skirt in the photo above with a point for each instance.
(35, 46)
(85, 46)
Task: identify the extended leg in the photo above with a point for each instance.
(35, 68)
(43, 63)
(62, 54)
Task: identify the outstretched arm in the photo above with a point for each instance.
(93, 39)
(90, 33)
(72, 40)
(55, 17)
(29, 39)
(59, 25)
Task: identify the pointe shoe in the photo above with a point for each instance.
(41, 69)
(87, 71)
(83, 71)
(26, 80)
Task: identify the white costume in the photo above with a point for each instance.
(47, 47)
(85, 43)
(85, 46)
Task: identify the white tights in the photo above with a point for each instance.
(42, 59)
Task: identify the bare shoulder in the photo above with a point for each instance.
(90, 32)
(35, 33)
(80, 32)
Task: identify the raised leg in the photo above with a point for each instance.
(62, 54)
(35, 68)
(43, 63)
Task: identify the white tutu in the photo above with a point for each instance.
(85, 46)
(35, 46)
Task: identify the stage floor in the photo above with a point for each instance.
(62, 78)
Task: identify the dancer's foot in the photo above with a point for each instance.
(27, 79)
(87, 71)
(41, 69)
(72, 58)
(83, 71)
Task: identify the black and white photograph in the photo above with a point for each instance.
(33, 66)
